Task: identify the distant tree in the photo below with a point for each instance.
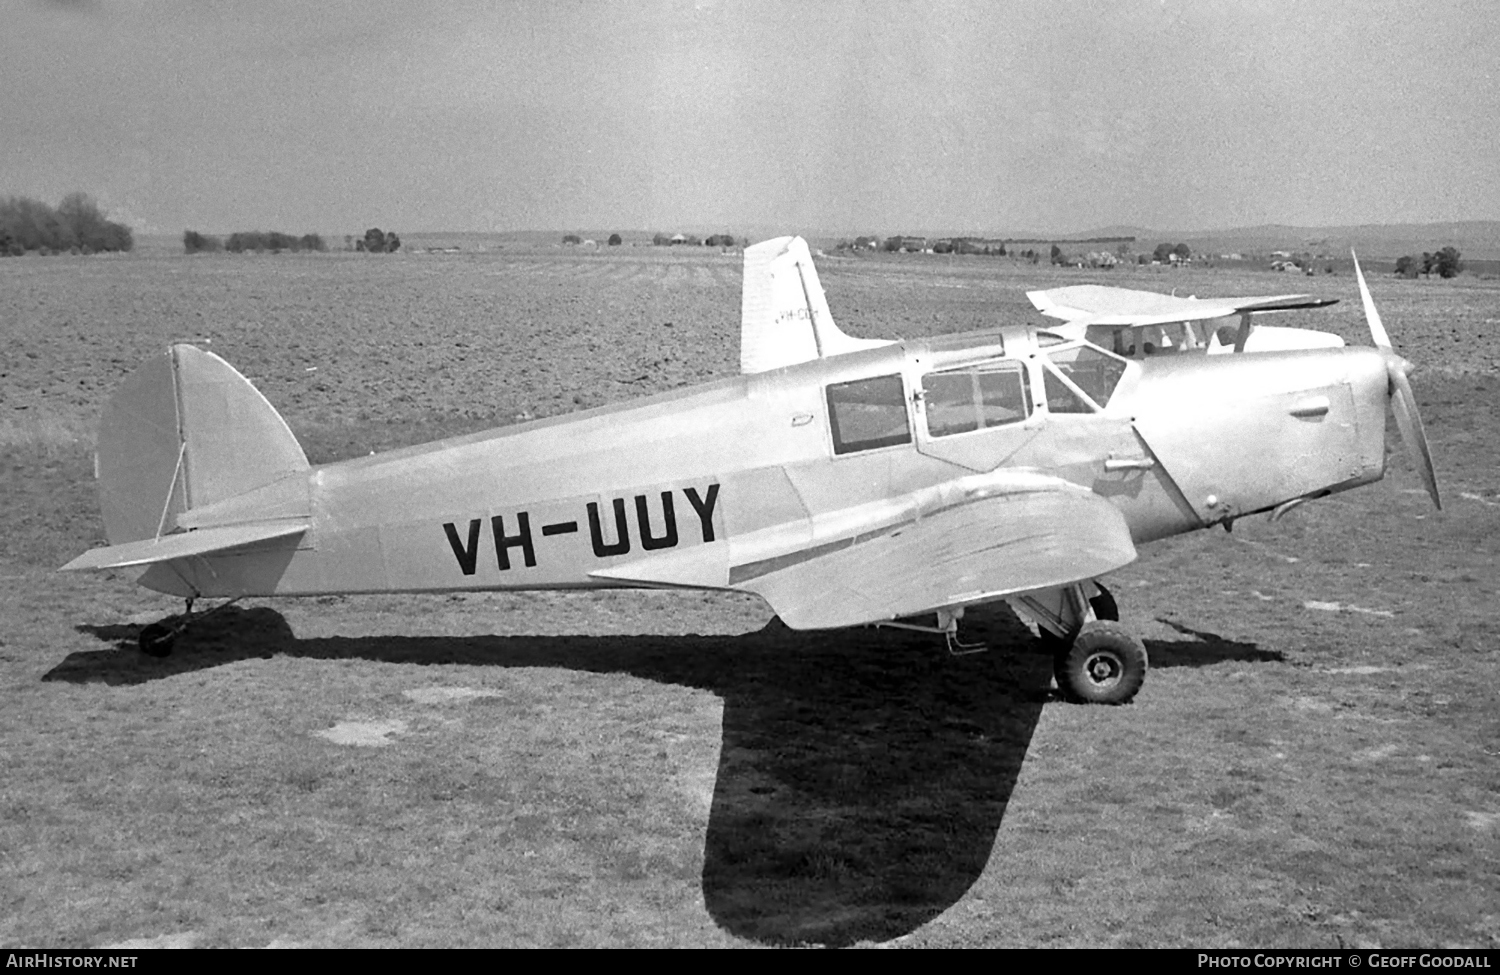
(1123, 250)
(614, 240)
(1406, 266)
(392, 243)
(661, 240)
(1429, 261)
(1162, 254)
(375, 241)
(193, 242)
(1057, 255)
(312, 242)
(348, 242)
(572, 239)
(1182, 252)
(76, 225)
(1448, 263)
(891, 245)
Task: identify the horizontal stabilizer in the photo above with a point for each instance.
(183, 544)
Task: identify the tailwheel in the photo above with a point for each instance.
(1105, 665)
(156, 639)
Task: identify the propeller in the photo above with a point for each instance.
(1403, 400)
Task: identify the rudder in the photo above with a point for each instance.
(784, 317)
(184, 431)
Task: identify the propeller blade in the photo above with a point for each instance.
(1372, 317)
(1403, 400)
(1409, 421)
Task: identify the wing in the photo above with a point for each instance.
(1091, 304)
(1024, 532)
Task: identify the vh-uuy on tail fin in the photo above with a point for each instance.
(183, 432)
(784, 317)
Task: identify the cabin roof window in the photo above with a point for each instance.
(1080, 379)
(976, 398)
(868, 413)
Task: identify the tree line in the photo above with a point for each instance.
(76, 225)
(375, 241)
(1446, 262)
(251, 240)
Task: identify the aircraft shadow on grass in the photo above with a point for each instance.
(863, 774)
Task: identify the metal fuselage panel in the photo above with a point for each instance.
(1244, 433)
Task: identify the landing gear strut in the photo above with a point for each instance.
(1094, 659)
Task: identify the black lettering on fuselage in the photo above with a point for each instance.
(643, 519)
(468, 557)
(604, 549)
(704, 507)
(466, 551)
(504, 542)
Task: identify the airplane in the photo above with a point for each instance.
(1141, 323)
(845, 481)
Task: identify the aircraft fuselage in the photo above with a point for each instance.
(690, 487)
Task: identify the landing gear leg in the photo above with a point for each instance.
(1094, 658)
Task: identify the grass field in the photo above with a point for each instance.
(1314, 760)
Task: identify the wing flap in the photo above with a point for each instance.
(988, 548)
(203, 541)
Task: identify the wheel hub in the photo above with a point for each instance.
(1103, 669)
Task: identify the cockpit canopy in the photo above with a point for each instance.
(993, 385)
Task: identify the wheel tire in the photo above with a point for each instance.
(1105, 665)
(156, 640)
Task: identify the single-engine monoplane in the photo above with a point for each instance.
(846, 481)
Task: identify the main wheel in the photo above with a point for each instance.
(156, 640)
(1105, 665)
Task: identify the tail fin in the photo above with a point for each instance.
(184, 431)
(784, 317)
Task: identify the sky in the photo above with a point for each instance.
(804, 116)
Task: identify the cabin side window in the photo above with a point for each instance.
(868, 413)
(964, 400)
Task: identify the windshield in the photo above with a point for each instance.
(1095, 373)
